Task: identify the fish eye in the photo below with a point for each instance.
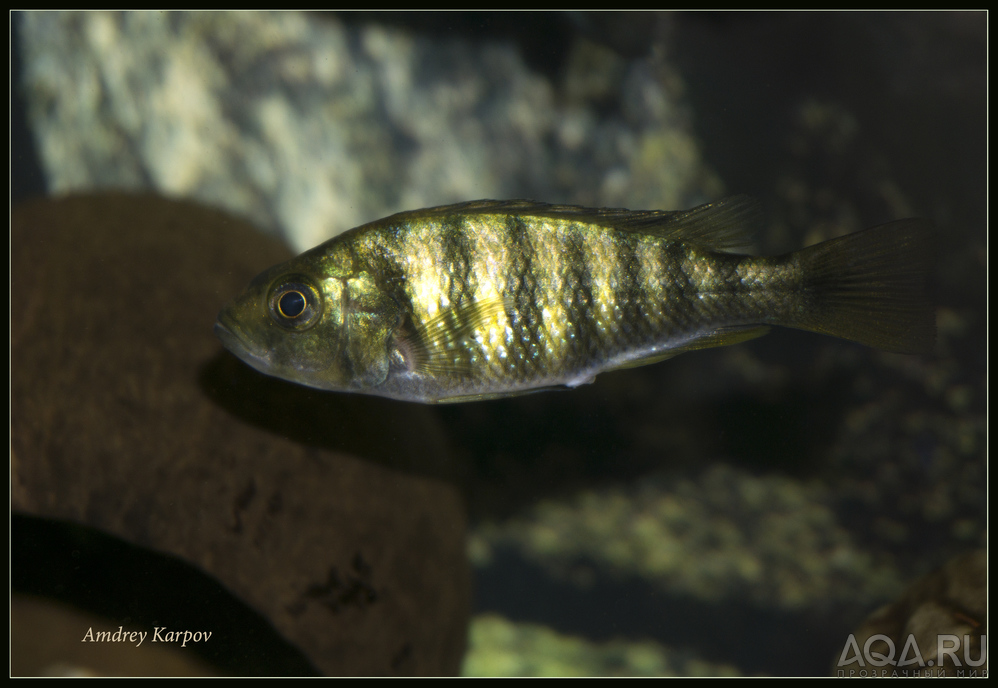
(295, 304)
(291, 304)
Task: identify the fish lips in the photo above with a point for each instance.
(228, 332)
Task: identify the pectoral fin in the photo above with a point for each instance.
(442, 345)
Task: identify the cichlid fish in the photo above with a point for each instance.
(493, 298)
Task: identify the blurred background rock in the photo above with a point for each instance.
(745, 508)
(310, 124)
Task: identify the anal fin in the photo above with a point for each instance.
(726, 336)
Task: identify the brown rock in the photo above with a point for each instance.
(946, 609)
(128, 417)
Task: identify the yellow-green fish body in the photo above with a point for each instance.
(488, 299)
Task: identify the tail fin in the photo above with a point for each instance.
(870, 287)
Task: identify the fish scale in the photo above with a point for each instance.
(488, 299)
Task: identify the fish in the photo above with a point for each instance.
(489, 299)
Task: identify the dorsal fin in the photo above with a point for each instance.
(724, 225)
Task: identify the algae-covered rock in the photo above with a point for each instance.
(499, 647)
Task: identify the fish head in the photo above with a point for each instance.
(289, 323)
(315, 320)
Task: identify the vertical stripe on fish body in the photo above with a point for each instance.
(488, 299)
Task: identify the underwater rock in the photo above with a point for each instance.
(311, 124)
(722, 536)
(499, 647)
(945, 610)
(128, 417)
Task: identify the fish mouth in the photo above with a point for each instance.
(228, 332)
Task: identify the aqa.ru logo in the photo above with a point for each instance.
(879, 651)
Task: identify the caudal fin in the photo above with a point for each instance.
(870, 287)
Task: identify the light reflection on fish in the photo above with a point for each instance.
(493, 298)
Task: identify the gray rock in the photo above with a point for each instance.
(311, 127)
